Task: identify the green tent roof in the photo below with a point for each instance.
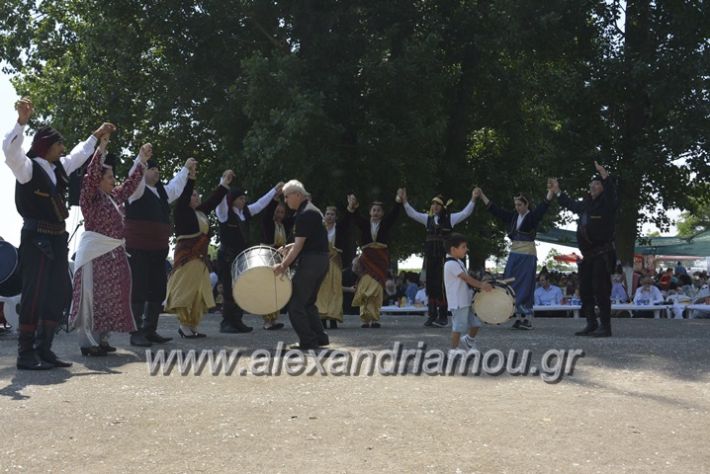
(696, 246)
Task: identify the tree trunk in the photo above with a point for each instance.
(637, 54)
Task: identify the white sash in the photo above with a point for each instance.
(93, 245)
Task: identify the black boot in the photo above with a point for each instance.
(591, 327)
(45, 336)
(29, 360)
(152, 313)
(433, 315)
(604, 329)
(333, 324)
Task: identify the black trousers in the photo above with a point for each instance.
(231, 312)
(595, 285)
(46, 288)
(149, 286)
(302, 310)
(434, 268)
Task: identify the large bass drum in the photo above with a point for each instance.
(10, 279)
(495, 306)
(255, 286)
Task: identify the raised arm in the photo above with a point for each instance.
(183, 201)
(462, 215)
(92, 179)
(135, 177)
(413, 214)
(82, 151)
(15, 158)
(176, 185)
(261, 203)
(209, 204)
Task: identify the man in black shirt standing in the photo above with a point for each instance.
(595, 237)
(310, 253)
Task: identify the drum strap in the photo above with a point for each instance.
(452, 259)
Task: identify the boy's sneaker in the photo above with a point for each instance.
(468, 343)
(516, 324)
(441, 322)
(526, 325)
(429, 322)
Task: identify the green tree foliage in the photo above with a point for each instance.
(366, 96)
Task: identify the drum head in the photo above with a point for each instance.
(496, 306)
(259, 291)
(10, 280)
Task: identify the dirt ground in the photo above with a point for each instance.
(637, 402)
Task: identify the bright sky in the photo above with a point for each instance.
(11, 223)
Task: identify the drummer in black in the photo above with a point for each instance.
(234, 215)
(310, 253)
(42, 181)
(595, 237)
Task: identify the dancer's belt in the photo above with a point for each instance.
(44, 227)
(524, 247)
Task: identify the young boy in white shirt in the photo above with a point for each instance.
(459, 294)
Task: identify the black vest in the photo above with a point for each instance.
(40, 199)
(442, 229)
(234, 234)
(150, 207)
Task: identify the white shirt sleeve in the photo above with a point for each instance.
(657, 296)
(222, 210)
(176, 185)
(462, 215)
(138, 193)
(415, 215)
(262, 202)
(15, 158)
(79, 154)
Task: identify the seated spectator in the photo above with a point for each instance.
(647, 294)
(547, 295)
(680, 270)
(411, 291)
(421, 297)
(391, 294)
(618, 291)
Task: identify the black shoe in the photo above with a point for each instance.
(375, 325)
(587, 331)
(525, 324)
(106, 347)
(51, 358)
(274, 327)
(602, 331)
(441, 323)
(232, 329)
(516, 324)
(192, 335)
(94, 351)
(157, 338)
(429, 322)
(333, 324)
(31, 361)
(139, 340)
(299, 347)
(365, 325)
(324, 341)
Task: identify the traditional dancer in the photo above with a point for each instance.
(374, 261)
(330, 294)
(276, 227)
(310, 251)
(189, 286)
(521, 227)
(148, 232)
(42, 179)
(234, 217)
(101, 301)
(595, 237)
(439, 224)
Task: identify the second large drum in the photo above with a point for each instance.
(255, 287)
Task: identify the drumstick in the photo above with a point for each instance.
(506, 280)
